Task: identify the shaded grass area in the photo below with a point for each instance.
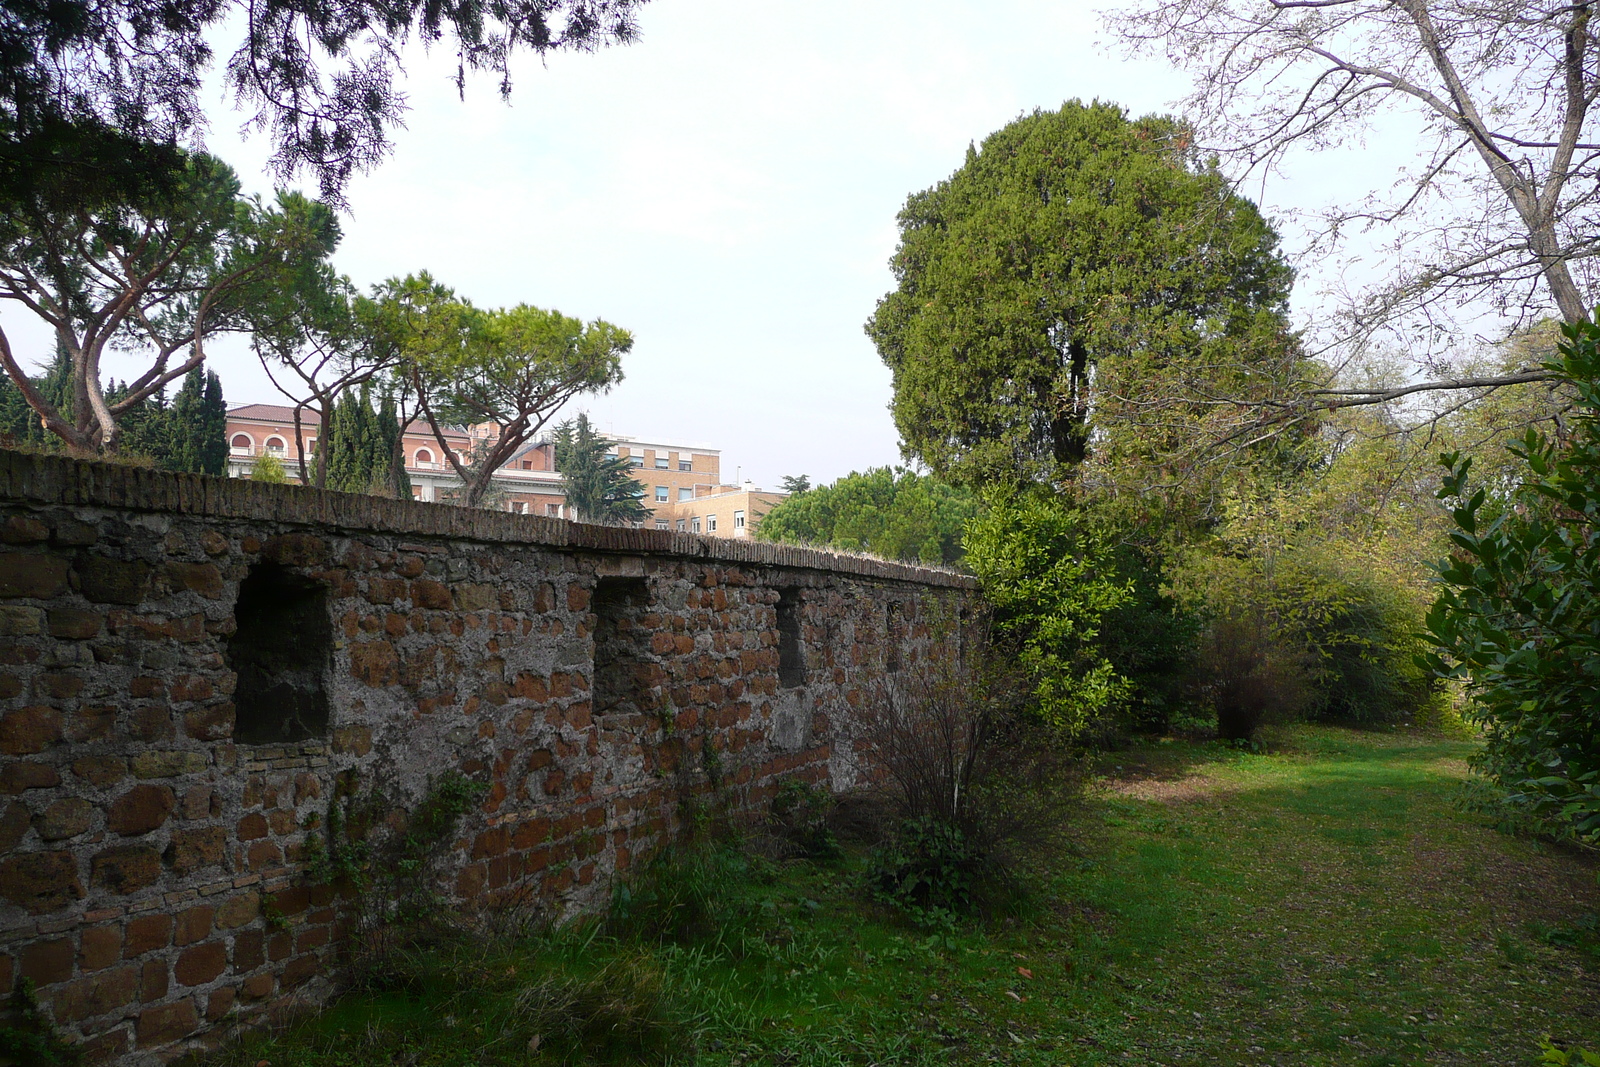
(1323, 903)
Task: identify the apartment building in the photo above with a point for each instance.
(723, 511)
(683, 485)
(529, 482)
(669, 472)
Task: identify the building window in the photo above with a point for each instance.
(738, 520)
(685, 492)
(661, 494)
(274, 446)
(311, 446)
(694, 524)
(635, 461)
(680, 525)
(711, 524)
(686, 464)
(553, 509)
(661, 461)
(663, 524)
(242, 445)
(424, 458)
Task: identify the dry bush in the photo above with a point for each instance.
(977, 791)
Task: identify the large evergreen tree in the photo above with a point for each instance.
(1078, 288)
(599, 486)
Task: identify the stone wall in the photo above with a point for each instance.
(191, 669)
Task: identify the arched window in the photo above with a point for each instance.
(424, 457)
(242, 443)
(274, 446)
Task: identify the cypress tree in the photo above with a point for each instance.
(213, 428)
(397, 479)
(186, 425)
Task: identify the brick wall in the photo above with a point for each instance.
(190, 666)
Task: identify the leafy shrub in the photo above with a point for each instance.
(1047, 571)
(930, 870)
(1518, 618)
(800, 819)
(29, 1039)
(1333, 616)
(1566, 1057)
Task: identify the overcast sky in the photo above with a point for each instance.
(725, 188)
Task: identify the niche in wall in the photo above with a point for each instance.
(892, 634)
(791, 650)
(620, 646)
(281, 651)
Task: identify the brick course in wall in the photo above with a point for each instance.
(153, 865)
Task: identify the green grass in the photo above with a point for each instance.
(1324, 903)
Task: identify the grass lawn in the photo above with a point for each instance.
(1324, 903)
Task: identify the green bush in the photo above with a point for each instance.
(930, 870)
(1518, 617)
(800, 813)
(1047, 571)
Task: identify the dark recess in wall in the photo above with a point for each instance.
(791, 653)
(281, 651)
(619, 644)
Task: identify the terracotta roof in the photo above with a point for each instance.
(275, 413)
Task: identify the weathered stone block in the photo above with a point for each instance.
(14, 823)
(75, 624)
(19, 621)
(99, 947)
(166, 1023)
(190, 850)
(214, 722)
(112, 581)
(375, 663)
(295, 550)
(47, 962)
(100, 771)
(41, 882)
(29, 730)
(91, 722)
(427, 593)
(151, 724)
(67, 817)
(17, 776)
(202, 578)
(126, 869)
(140, 810)
(146, 933)
(154, 979)
(168, 764)
(32, 574)
(239, 910)
(100, 995)
(192, 924)
(22, 530)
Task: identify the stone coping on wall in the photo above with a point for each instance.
(61, 480)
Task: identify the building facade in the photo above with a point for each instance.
(683, 486)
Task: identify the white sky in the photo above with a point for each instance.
(725, 188)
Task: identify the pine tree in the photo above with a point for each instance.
(599, 486)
